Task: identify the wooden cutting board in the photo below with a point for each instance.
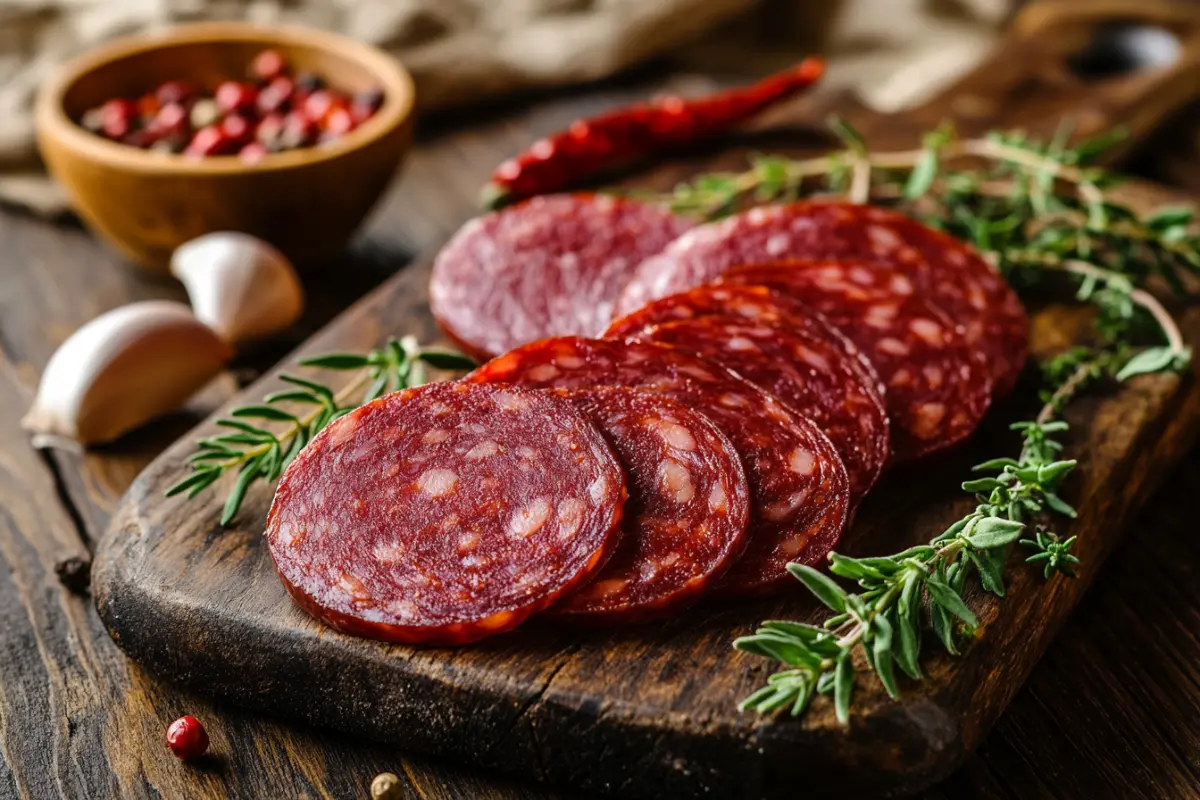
(649, 711)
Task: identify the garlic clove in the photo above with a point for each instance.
(124, 368)
(240, 286)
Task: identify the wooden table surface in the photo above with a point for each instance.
(1113, 710)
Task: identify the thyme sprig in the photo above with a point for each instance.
(902, 593)
(257, 452)
(1037, 210)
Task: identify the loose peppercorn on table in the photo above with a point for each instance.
(1100, 716)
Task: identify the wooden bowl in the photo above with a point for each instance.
(306, 202)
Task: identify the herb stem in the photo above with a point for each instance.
(863, 164)
(1140, 296)
(301, 423)
(1065, 391)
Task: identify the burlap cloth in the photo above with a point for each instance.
(894, 51)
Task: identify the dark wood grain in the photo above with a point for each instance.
(645, 711)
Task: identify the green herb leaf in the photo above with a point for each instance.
(824, 588)
(920, 180)
(843, 687)
(1154, 359)
(447, 360)
(194, 482)
(264, 412)
(846, 132)
(882, 629)
(946, 597)
(994, 532)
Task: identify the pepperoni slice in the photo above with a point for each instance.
(550, 266)
(685, 520)
(805, 363)
(938, 389)
(947, 271)
(446, 513)
(798, 486)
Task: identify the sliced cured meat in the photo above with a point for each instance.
(937, 388)
(550, 266)
(947, 271)
(804, 363)
(758, 304)
(446, 513)
(798, 487)
(685, 519)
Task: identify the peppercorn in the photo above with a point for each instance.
(276, 95)
(320, 103)
(172, 120)
(205, 112)
(272, 110)
(298, 131)
(365, 104)
(252, 153)
(232, 97)
(237, 128)
(211, 141)
(269, 132)
(175, 92)
(267, 65)
(309, 82)
(338, 122)
(118, 117)
(187, 738)
(386, 786)
(75, 573)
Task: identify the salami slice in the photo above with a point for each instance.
(805, 364)
(947, 271)
(798, 487)
(938, 389)
(685, 519)
(446, 513)
(550, 266)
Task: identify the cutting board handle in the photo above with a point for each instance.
(1101, 64)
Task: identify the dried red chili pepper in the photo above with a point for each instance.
(593, 146)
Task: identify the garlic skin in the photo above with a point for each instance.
(124, 368)
(240, 286)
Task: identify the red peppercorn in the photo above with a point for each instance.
(140, 138)
(267, 65)
(320, 103)
(252, 153)
(338, 122)
(210, 141)
(187, 738)
(269, 132)
(175, 92)
(298, 131)
(277, 95)
(118, 118)
(365, 104)
(237, 129)
(171, 121)
(148, 106)
(232, 96)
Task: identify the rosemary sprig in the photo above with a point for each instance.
(1037, 209)
(257, 452)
